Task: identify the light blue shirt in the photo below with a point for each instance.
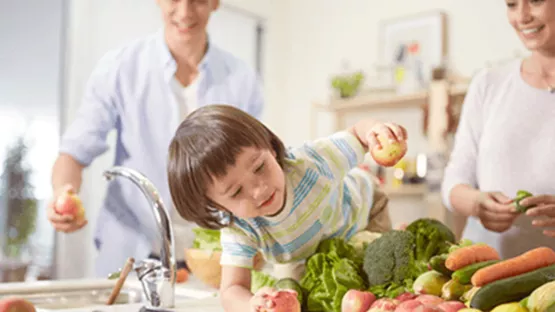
(130, 91)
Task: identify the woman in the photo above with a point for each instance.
(506, 142)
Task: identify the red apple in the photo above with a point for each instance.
(390, 153)
(357, 301)
(430, 299)
(427, 308)
(384, 305)
(405, 296)
(451, 306)
(16, 305)
(408, 306)
(70, 204)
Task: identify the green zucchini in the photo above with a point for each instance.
(437, 263)
(464, 275)
(512, 289)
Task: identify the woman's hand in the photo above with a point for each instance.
(495, 211)
(542, 206)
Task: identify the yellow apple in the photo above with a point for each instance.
(390, 153)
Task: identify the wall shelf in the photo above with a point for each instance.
(406, 190)
(366, 102)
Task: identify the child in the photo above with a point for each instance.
(277, 201)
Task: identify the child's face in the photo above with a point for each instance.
(253, 187)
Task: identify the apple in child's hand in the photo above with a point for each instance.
(69, 203)
(357, 301)
(390, 152)
(284, 300)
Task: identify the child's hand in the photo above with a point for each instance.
(259, 301)
(391, 131)
(386, 143)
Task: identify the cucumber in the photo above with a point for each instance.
(437, 263)
(512, 289)
(464, 275)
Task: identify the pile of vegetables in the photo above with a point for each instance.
(393, 261)
(384, 265)
(421, 268)
(335, 268)
(476, 275)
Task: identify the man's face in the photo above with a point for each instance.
(186, 20)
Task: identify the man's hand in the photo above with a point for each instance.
(64, 222)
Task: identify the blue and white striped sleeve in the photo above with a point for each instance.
(333, 156)
(85, 137)
(239, 246)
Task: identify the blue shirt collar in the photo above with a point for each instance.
(168, 62)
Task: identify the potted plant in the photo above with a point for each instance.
(19, 206)
(347, 85)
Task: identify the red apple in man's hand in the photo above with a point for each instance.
(69, 203)
(357, 301)
(390, 152)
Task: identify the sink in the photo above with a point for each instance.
(70, 294)
(80, 298)
(78, 294)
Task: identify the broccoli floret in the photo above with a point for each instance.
(390, 259)
(432, 238)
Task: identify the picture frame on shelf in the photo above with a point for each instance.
(412, 46)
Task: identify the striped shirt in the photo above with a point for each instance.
(328, 196)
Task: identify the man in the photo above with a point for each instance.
(143, 91)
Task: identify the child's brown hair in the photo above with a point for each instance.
(206, 142)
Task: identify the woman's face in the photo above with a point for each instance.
(534, 22)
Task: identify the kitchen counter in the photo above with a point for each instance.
(205, 305)
(190, 296)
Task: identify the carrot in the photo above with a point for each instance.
(529, 261)
(468, 255)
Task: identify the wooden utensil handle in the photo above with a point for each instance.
(119, 284)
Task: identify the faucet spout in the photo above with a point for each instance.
(158, 279)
